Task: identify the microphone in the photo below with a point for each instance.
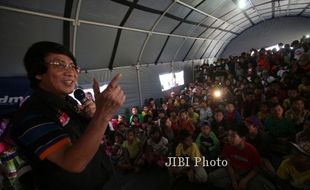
(80, 95)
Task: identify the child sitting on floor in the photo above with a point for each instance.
(119, 155)
(294, 172)
(207, 141)
(135, 150)
(188, 149)
(157, 148)
(243, 164)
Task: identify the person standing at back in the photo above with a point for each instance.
(59, 138)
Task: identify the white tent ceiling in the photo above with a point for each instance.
(120, 33)
(269, 33)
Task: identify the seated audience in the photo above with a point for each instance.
(146, 111)
(185, 122)
(134, 111)
(294, 171)
(174, 118)
(194, 117)
(263, 112)
(249, 106)
(120, 155)
(304, 135)
(297, 114)
(261, 141)
(166, 129)
(205, 112)
(170, 105)
(243, 164)
(292, 93)
(186, 148)
(232, 116)
(207, 141)
(304, 87)
(280, 129)
(119, 122)
(135, 150)
(219, 125)
(183, 104)
(152, 107)
(135, 122)
(157, 148)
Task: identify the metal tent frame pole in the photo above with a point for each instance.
(75, 25)
(206, 14)
(79, 21)
(139, 84)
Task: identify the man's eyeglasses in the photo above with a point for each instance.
(63, 66)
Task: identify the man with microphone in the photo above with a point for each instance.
(61, 140)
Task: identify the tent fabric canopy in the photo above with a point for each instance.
(118, 33)
(138, 38)
(284, 29)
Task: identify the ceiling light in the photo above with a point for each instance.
(242, 4)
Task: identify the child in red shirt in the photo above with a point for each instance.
(243, 163)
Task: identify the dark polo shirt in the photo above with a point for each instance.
(46, 122)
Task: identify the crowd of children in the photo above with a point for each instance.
(250, 110)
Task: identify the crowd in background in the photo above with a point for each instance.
(250, 110)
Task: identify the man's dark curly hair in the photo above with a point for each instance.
(34, 59)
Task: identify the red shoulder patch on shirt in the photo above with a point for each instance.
(63, 118)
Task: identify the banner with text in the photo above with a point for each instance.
(13, 91)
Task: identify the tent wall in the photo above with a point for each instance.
(149, 80)
(150, 84)
(271, 32)
(128, 82)
(18, 31)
